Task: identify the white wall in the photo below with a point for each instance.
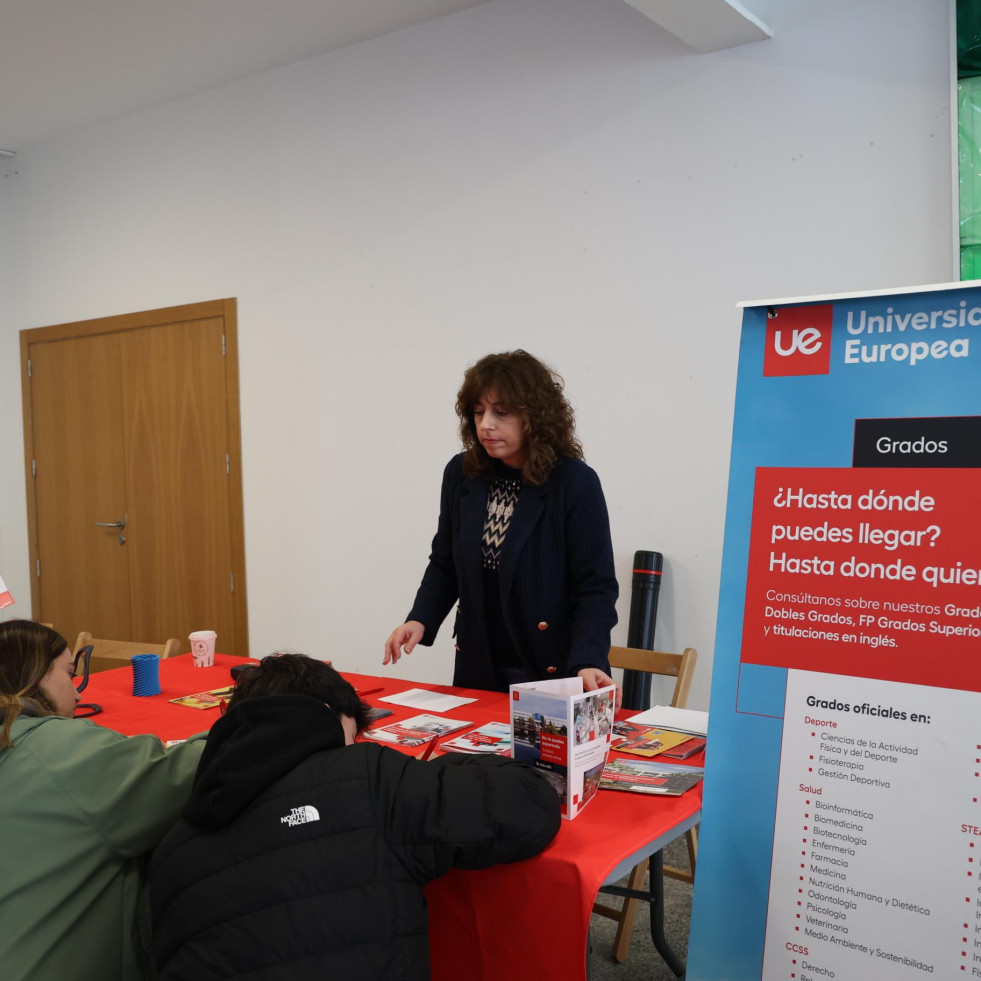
(13, 530)
(559, 175)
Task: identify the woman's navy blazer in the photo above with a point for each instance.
(557, 579)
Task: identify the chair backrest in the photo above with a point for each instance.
(117, 653)
(678, 666)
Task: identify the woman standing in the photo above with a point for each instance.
(522, 542)
(81, 808)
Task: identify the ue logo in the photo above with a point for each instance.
(798, 341)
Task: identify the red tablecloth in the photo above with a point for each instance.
(525, 920)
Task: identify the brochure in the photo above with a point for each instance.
(628, 737)
(650, 777)
(565, 733)
(492, 739)
(205, 699)
(686, 749)
(417, 730)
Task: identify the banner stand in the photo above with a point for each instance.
(841, 830)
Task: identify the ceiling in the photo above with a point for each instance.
(66, 64)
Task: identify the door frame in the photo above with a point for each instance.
(227, 309)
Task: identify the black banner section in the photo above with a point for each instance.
(934, 441)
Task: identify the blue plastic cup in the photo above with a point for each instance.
(146, 674)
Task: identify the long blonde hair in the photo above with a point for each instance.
(26, 652)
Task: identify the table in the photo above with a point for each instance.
(525, 920)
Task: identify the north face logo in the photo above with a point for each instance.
(798, 341)
(300, 815)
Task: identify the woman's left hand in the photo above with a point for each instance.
(593, 678)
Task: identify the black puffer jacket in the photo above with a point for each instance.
(301, 858)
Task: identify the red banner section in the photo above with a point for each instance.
(798, 341)
(866, 572)
(553, 748)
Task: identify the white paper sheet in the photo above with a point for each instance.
(680, 720)
(429, 701)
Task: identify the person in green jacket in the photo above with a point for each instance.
(81, 808)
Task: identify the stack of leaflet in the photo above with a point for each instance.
(645, 740)
(689, 721)
(492, 739)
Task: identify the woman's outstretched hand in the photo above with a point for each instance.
(403, 640)
(593, 678)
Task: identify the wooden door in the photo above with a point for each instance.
(155, 443)
(78, 442)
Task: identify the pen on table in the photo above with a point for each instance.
(370, 691)
(428, 751)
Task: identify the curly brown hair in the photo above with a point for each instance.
(530, 388)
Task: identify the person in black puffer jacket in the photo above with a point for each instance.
(302, 854)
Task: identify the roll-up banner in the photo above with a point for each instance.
(841, 830)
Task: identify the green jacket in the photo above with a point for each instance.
(81, 808)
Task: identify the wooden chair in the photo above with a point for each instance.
(681, 667)
(117, 653)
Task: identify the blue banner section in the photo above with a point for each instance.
(873, 382)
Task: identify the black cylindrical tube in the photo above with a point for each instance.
(640, 630)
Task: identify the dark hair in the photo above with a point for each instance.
(296, 674)
(526, 386)
(26, 652)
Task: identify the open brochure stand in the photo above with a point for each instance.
(565, 733)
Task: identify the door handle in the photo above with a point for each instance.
(113, 524)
